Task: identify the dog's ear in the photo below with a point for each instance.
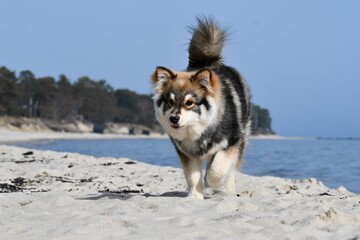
(160, 77)
(162, 74)
(207, 79)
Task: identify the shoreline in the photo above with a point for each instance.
(277, 137)
(7, 136)
(78, 196)
(15, 136)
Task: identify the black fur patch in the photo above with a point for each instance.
(240, 86)
(206, 103)
(160, 101)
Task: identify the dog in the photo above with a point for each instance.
(206, 111)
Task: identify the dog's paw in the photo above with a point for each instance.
(193, 194)
(213, 179)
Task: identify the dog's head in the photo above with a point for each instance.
(185, 102)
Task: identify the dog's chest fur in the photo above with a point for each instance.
(204, 146)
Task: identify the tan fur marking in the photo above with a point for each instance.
(242, 147)
(187, 82)
(184, 161)
(232, 151)
(215, 83)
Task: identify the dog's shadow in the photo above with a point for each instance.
(126, 196)
(168, 194)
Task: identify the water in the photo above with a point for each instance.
(333, 162)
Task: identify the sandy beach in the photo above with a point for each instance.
(54, 195)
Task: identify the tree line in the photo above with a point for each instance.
(85, 99)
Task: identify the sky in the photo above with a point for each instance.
(301, 59)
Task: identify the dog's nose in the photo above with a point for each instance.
(174, 119)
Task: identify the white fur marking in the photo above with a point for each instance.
(172, 96)
(205, 83)
(187, 97)
(236, 101)
(220, 173)
(158, 85)
(217, 147)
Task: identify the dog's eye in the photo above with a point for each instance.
(171, 102)
(189, 103)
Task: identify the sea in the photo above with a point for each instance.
(334, 162)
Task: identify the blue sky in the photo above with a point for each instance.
(300, 58)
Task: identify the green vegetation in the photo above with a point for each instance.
(86, 100)
(261, 121)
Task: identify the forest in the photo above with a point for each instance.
(87, 100)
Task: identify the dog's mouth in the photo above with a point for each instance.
(175, 125)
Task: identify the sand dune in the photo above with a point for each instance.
(51, 195)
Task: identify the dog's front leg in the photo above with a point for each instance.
(220, 173)
(193, 175)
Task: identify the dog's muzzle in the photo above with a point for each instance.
(174, 120)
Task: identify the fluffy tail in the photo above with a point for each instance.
(207, 43)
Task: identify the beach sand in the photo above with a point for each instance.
(54, 195)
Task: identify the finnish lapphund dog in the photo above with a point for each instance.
(206, 111)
